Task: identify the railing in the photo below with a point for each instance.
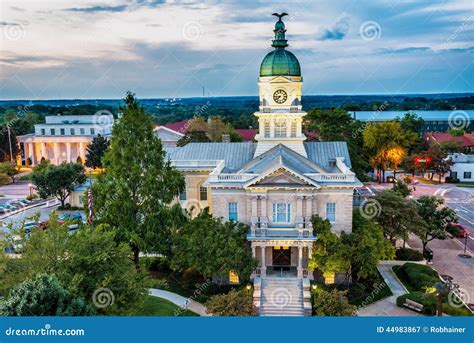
(336, 177)
(291, 109)
(231, 177)
(201, 163)
(260, 227)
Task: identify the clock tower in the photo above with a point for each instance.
(280, 114)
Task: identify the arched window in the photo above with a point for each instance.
(202, 193)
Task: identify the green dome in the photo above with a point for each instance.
(280, 62)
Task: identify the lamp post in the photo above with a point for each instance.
(30, 186)
(465, 254)
(442, 290)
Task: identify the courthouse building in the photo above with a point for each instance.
(276, 184)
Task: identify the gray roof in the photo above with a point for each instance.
(235, 155)
(322, 153)
(240, 155)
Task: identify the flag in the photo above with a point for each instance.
(90, 206)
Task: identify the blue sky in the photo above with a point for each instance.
(101, 49)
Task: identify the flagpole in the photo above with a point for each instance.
(89, 201)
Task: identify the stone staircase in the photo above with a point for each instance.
(282, 297)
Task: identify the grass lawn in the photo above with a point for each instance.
(154, 306)
(465, 184)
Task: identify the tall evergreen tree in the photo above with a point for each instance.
(135, 192)
(95, 152)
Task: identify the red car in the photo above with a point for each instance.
(457, 230)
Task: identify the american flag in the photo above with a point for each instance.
(90, 206)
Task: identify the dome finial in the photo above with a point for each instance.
(279, 41)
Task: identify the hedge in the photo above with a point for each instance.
(427, 300)
(407, 254)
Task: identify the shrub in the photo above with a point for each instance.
(333, 303)
(416, 277)
(450, 179)
(32, 196)
(5, 179)
(234, 303)
(407, 254)
(156, 264)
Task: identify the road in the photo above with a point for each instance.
(44, 211)
(459, 199)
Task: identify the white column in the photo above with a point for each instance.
(82, 151)
(299, 205)
(300, 261)
(263, 270)
(31, 150)
(26, 151)
(263, 205)
(57, 156)
(288, 126)
(44, 151)
(309, 206)
(253, 251)
(298, 127)
(254, 206)
(272, 127)
(68, 151)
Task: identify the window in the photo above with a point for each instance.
(331, 212)
(82, 131)
(280, 128)
(62, 132)
(43, 132)
(467, 175)
(281, 213)
(267, 128)
(293, 128)
(182, 195)
(73, 132)
(454, 175)
(233, 211)
(202, 193)
(53, 132)
(92, 131)
(233, 277)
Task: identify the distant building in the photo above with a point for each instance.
(63, 138)
(466, 141)
(168, 136)
(435, 121)
(463, 167)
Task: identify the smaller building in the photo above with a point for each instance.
(463, 167)
(465, 142)
(78, 196)
(64, 138)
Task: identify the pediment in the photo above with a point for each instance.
(281, 177)
(280, 79)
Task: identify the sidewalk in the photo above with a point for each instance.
(388, 306)
(180, 301)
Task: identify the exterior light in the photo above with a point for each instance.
(249, 287)
(314, 286)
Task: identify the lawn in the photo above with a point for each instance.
(154, 306)
(465, 184)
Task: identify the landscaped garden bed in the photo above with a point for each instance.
(154, 306)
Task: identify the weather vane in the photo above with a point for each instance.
(280, 15)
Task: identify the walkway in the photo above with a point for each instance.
(180, 301)
(388, 306)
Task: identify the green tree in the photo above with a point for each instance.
(329, 255)
(5, 145)
(234, 303)
(436, 218)
(401, 187)
(135, 192)
(398, 216)
(44, 296)
(9, 169)
(439, 161)
(95, 151)
(193, 137)
(58, 181)
(333, 303)
(213, 248)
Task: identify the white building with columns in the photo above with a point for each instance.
(277, 184)
(64, 138)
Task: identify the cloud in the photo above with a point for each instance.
(338, 31)
(405, 50)
(93, 9)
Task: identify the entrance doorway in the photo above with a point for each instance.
(281, 258)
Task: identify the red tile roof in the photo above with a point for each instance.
(179, 126)
(466, 141)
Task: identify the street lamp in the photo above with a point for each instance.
(30, 185)
(465, 254)
(442, 290)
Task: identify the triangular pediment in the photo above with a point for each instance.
(281, 176)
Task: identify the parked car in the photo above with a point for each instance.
(457, 230)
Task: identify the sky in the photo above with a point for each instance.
(101, 49)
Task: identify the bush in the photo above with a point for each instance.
(334, 303)
(156, 264)
(416, 277)
(427, 300)
(5, 179)
(407, 254)
(32, 196)
(234, 303)
(450, 179)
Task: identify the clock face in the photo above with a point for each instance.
(280, 96)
